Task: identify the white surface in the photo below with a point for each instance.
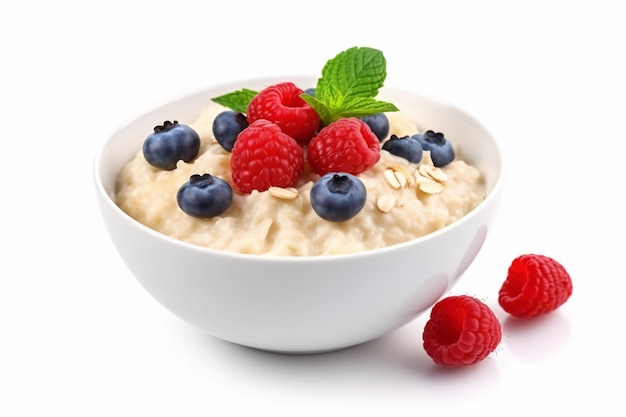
(79, 336)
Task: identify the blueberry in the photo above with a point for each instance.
(204, 196)
(170, 143)
(310, 91)
(441, 150)
(379, 124)
(338, 196)
(405, 147)
(226, 126)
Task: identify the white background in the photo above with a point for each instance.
(80, 337)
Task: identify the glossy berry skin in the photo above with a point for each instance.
(170, 143)
(310, 91)
(282, 105)
(404, 147)
(347, 145)
(338, 196)
(264, 156)
(204, 196)
(535, 285)
(461, 331)
(379, 123)
(226, 126)
(441, 150)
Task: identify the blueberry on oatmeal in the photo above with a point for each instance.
(338, 196)
(204, 196)
(170, 143)
(441, 150)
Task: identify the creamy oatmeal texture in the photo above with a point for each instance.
(403, 202)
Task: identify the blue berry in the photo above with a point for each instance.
(404, 147)
(338, 196)
(310, 91)
(169, 143)
(204, 196)
(379, 124)
(441, 150)
(226, 126)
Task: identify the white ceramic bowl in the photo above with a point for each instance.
(300, 304)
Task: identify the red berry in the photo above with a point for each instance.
(281, 104)
(347, 145)
(264, 156)
(462, 330)
(535, 285)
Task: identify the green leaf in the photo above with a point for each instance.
(321, 108)
(349, 83)
(364, 106)
(237, 100)
(347, 88)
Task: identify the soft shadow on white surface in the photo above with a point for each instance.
(536, 339)
(399, 356)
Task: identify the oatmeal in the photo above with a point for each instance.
(404, 201)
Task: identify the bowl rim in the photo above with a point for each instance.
(102, 193)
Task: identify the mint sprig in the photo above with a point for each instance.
(349, 84)
(237, 100)
(347, 88)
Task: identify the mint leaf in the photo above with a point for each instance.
(320, 107)
(348, 85)
(237, 100)
(364, 106)
(347, 88)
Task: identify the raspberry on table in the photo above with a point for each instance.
(264, 156)
(535, 284)
(281, 104)
(461, 330)
(346, 145)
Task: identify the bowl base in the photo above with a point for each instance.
(303, 352)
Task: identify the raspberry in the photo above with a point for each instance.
(264, 156)
(347, 145)
(281, 104)
(462, 330)
(535, 284)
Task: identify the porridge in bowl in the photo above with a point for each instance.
(281, 221)
(409, 191)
